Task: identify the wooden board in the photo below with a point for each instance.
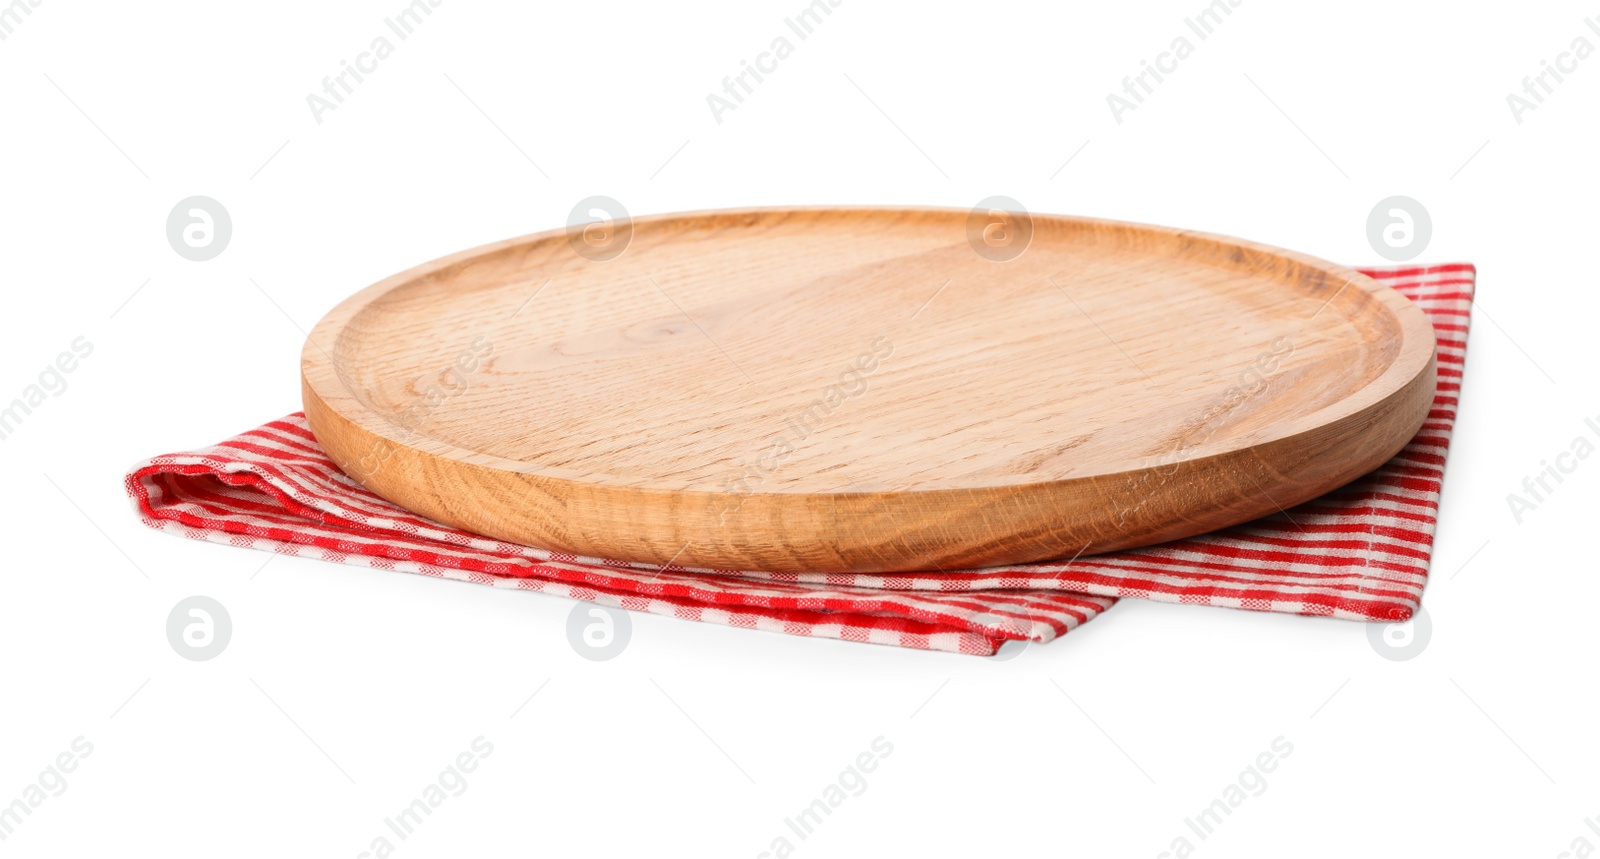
(865, 389)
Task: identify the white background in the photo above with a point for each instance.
(1483, 744)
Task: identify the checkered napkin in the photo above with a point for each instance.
(1360, 552)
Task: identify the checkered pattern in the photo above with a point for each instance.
(1360, 552)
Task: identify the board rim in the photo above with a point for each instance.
(1392, 382)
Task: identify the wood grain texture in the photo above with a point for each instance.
(861, 389)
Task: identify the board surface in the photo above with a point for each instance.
(864, 389)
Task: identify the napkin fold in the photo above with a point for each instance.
(1359, 553)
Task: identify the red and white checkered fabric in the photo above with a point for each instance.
(1360, 552)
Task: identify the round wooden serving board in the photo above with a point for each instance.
(864, 389)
